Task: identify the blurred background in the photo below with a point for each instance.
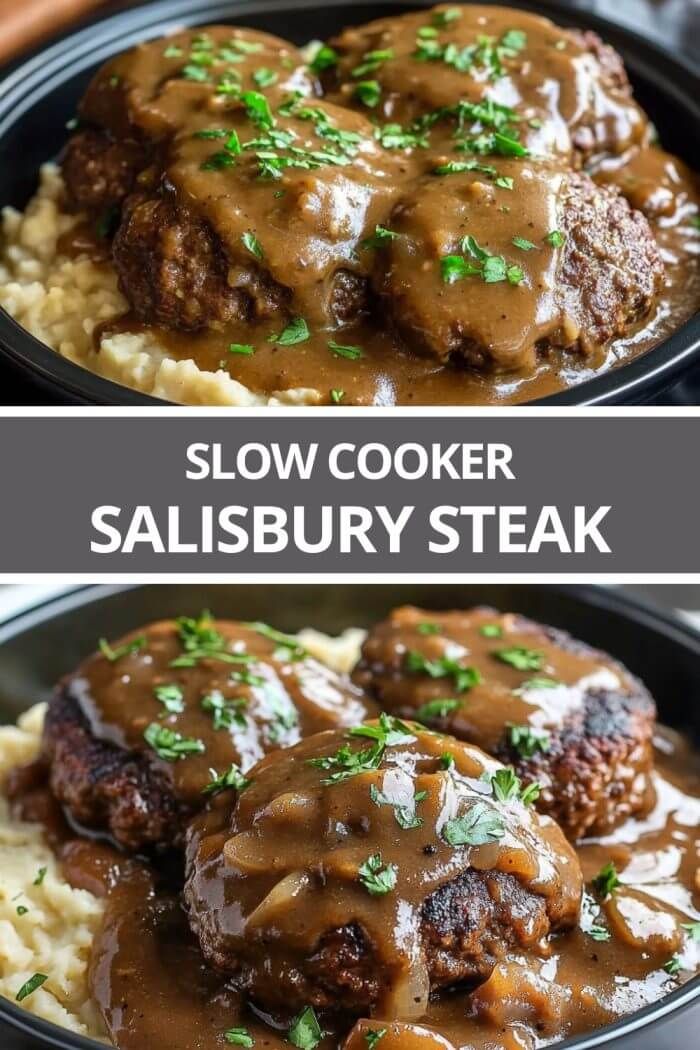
(683, 600)
(26, 23)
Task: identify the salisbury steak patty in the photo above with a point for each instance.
(497, 276)
(137, 736)
(174, 272)
(100, 172)
(561, 713)
(367, 870)
(571, 91)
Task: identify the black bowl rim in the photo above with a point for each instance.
(600, 600)
(631, 383)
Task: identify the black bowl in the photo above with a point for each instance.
(39, 96)
(37, 647)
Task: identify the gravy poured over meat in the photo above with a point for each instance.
(384, 877)
(450, 206)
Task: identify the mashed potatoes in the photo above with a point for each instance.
(60, 300)
(53, 936)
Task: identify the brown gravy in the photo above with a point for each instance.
(149, 981)
(313, 225)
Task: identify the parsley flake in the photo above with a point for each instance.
(171, 697)
(297, 331)
(113, 654)
(305, 1032)
(520, 658)
(31, 986)
(376, 877)
(607, 881)
(232, 778)
(481, 824)
(169, 745)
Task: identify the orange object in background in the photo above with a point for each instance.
(25, 22)
(397, 1036)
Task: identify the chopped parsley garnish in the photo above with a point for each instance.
(232, 778)
(376, 877)
(497, 142)
(491, 268)
(523, 244)
(598, 933)
(352, 353)
(257, 109)
(443, 667)
(445, 18)
(369, 93)
(406, 816)
(390, 732)
(173, 51)
(246, 47)
(325, 58)
(39, 877)
(491, 630)
(507, 787)
(218, 161)
(169, 745)
(673, 966)
(225, 713)
(239, 1037)
(22, 909)
(428, 628)
(297, 331)
(195, 72)
(31, 986)
(264, 77)
(294, 649)
(447, 760)
(211, 133)
(373, 1036)
(393, 136)
(538, 683)
(457, 167)
(693, 928)
(122, 650)
(371, 62)
(252, 244)
(520, 658)
(379, 238)
(487, 53)
(241, 348)
(555, 239)
(305, 1032)
(528, 741)
(436, 709)
(504, 182)
(170, 696)
(479, 825)
(606, 881)
(201, 641)
(346, 763)
(337, 396)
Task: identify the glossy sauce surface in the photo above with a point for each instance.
(251, 691)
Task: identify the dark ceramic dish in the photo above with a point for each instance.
(39, 96)
(37, 647)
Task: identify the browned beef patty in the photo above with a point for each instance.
(498, 276)
(369, 888)
(562, 714)
(174, 272)
(136, 735)
(100, 172)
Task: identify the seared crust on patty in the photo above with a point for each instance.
(466, 926)
(595, 725)
(595, 773)
(106, 788)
